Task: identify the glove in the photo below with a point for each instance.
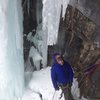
(70, 84)
(57, 89)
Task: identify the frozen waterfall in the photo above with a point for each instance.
(11, 50)
(51, 18)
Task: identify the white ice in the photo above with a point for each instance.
(51, 18)
(40, 43)
(11, 50)
(34, 54)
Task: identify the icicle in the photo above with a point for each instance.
(28, 6)
(51, 18)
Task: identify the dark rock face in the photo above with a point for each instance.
(29, 23)
(29, 14)
(32, 14)
(90, 8)
(78, 33)
(79, 40)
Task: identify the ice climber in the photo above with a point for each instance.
(62, 76)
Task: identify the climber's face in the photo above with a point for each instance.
(59, 60)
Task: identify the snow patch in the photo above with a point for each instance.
(41, 84)
(30, 95)
(34, 54)
(75, 90)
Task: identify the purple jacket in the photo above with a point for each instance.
(61, 74)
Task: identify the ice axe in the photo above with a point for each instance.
(53, 95)
(61, 95)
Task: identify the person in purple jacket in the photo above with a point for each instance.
(62, 76)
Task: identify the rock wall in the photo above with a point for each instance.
(29, 23)
(79, 38)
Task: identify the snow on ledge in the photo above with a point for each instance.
(41, 86)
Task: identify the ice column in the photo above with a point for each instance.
(11, 50)
(51, 18)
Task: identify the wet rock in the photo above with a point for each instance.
(79, 40)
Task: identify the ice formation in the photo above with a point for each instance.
(11, 50)
(51, 18)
